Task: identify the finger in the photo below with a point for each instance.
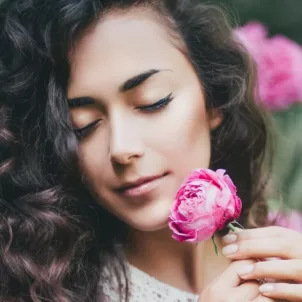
(261, 298)
(273, 231)
(279, 270)
(247, 291)
(263, 248)
(285, 291)
(230, 278)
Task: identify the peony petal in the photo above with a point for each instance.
(194, 175)
(238, 208)
(212, 176)
(198, 223)
(200, 229)
(205, 233)
(219, 216)
(220, 173)
(181, 238)
(184, 212)
(180, 192)
(174, 208)
(178, 234)
(199, 174)
(227, 200)
(178, 216)
(211, 195)
(202, 220)
(184, 237)
(230, 184)
(175, 226)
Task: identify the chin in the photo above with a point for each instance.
(150, 225)
(150, 219)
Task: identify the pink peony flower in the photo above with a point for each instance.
(279, 64)
(205, 203)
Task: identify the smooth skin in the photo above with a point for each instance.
(229, 287)
(283, 248)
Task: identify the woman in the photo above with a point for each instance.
(106, 106)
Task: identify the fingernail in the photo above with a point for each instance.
(246, 270)
(230, 249)
(266, 288)
(271, 259)
(230, 238)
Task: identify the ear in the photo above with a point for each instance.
(215, 118)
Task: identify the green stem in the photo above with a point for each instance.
(231, 227)
(215, 245)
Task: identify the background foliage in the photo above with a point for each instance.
(281, 17)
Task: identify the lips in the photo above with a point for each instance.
(142, 186)
(138, 183)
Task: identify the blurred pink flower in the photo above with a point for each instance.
(279, 64)
(253, 35)
(280, 73)
(291, 220)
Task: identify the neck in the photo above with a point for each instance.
(186, 266)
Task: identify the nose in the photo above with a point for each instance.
(126, 145)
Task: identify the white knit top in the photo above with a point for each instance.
(144, 288)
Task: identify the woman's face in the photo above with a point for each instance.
(142, 112)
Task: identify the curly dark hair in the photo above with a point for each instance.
(54, 238)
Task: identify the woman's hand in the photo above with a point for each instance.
(283, 246)
(229, 287)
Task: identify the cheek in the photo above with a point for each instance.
(94, 162)
(184, 136)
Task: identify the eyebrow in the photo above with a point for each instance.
(138, 80)
(80, 101)
(128, 85)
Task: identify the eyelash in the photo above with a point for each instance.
(82, 132)
(158, 105)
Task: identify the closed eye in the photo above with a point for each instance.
(82, 132)
(158, 105)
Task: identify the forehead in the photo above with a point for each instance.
(120, 46)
